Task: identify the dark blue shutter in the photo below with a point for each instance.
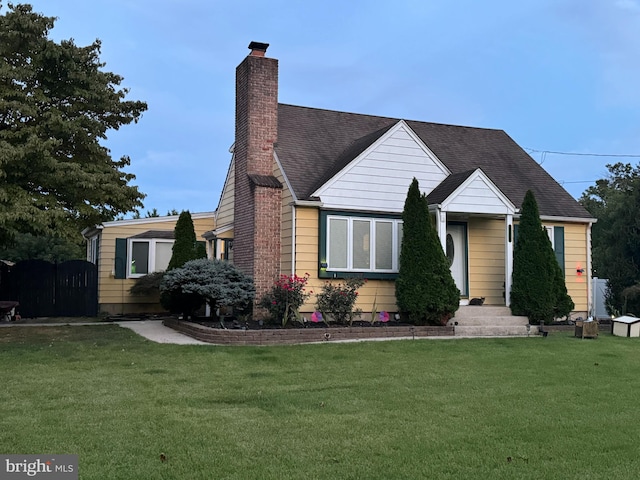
(120, 266)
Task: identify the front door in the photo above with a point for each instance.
(456, 250)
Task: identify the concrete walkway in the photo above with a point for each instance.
(155, 331)
(152, 330)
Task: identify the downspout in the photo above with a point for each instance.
(293, 239)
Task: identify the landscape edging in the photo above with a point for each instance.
(284, 336)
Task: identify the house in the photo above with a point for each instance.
(321, 192)
(125, 250)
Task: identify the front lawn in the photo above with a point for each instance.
(521, 408)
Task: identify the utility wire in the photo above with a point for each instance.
(544, 152)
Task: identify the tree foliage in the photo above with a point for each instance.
(42, 247)
(185, 247)
(56, 106)
(615, 202)
(538, 290)
(425, 289)
(215, 281)
(147, 285)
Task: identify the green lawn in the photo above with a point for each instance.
(521, 408)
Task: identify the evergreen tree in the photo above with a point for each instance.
(185, 247)
(425, 289)
(57, 105)
(215, 281)
(538, 290)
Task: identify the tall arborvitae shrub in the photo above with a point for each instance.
(538, 290)
(185, 247)
(425, 289)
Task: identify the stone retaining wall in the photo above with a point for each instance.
(301, 335)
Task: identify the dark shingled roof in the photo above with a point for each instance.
(447, 187)
(314, 144)
(264, 180)
(162, 234)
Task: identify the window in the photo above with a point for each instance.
(147, 256)
(362, 244)
(93, 250)
(224, 249)
(550, 234)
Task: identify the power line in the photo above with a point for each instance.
(621, 155)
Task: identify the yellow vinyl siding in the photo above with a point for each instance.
(307, 231)
(113, 293)
(225, 209)
(575, 256)
(486, 259)
(286, 233)
(226, 234)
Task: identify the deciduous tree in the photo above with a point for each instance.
(57, 104)
(615, 202)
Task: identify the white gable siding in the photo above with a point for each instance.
(378, 180)
(476, 196)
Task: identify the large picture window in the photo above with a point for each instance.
(148, 256)
(362, 244)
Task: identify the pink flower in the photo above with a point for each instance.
(316, 317)
(384, 316)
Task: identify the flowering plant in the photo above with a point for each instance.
(286, 297)
(338, 300)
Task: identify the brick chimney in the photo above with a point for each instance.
(258, 194)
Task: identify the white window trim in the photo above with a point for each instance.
(395, 248)
(152, 254)
(93, 250)
(550, 233)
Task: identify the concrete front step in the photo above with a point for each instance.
(489, 321)
(509, 320)
(495, 331)
(466, 311)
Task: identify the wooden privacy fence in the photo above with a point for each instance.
(44, 289)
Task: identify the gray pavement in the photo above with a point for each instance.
(152, 330)
(155, 331)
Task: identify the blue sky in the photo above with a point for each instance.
(556, 75)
